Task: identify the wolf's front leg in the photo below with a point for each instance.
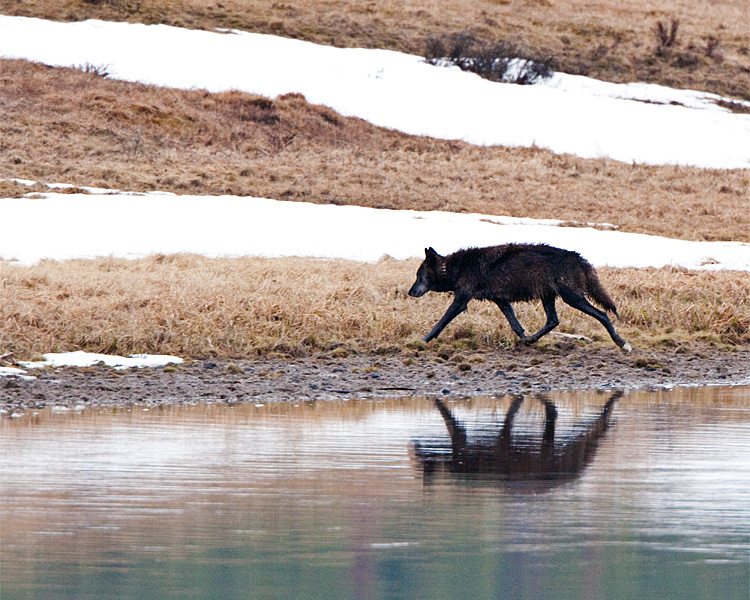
(456, 308)
(507, 309)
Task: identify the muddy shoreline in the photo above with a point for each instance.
(507, 371)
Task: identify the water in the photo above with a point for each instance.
(647, 497)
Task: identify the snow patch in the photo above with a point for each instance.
(88, 359)
(14, 372)
(639, 123)
(68, 226)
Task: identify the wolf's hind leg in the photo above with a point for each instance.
(512, 320)
(579, 301)
(548, 303)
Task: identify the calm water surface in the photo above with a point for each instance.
(570, 496)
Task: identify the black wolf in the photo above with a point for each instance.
(515, 273)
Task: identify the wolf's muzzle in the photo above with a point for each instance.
(417, 290)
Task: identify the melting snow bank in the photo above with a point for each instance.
(567, 114)
(67, 226)
(88, 359)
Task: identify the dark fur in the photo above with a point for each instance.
(515, 273)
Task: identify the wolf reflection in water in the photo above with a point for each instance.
(505, 457)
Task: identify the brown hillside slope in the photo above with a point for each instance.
(63, 125)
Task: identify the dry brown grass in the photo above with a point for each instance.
(196, 307)
(66, 125)
(608, 39)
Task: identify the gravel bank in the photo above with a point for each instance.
(565, 366)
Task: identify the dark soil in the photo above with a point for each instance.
(563, 366)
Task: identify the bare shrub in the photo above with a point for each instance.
(502, 61)
(666, 36)
(92, 69)
(713, 49)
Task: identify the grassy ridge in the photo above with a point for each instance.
(194, 306)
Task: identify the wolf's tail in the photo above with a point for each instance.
(597, 293)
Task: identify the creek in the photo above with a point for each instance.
(566, 496)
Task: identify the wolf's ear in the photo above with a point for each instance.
(431, 256)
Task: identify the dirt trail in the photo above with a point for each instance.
(565, 366)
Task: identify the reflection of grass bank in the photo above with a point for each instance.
(195, 307)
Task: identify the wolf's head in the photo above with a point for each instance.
(428, 273)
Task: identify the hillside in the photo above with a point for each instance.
(611, 40)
